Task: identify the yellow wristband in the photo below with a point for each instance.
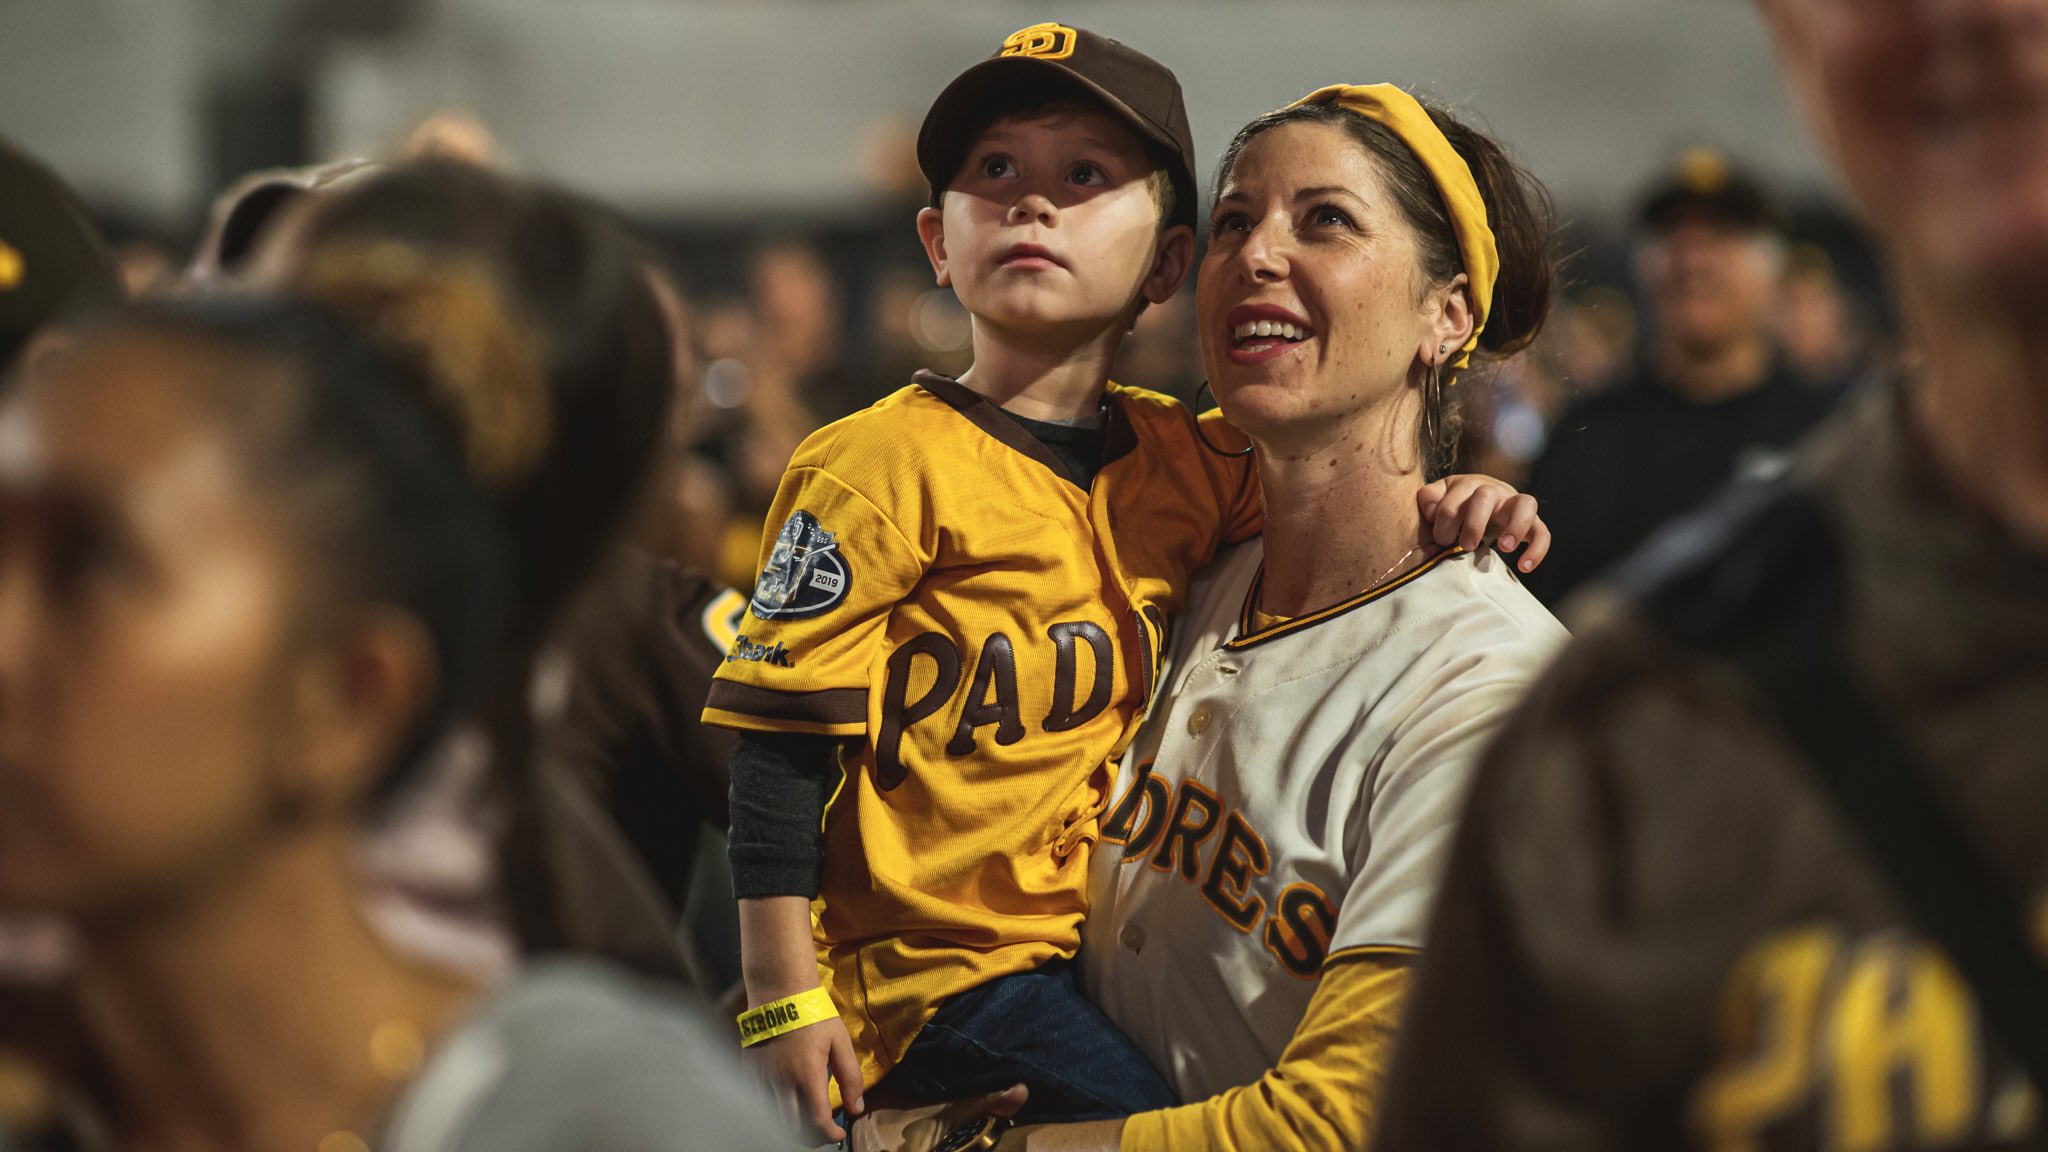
(786, 1015)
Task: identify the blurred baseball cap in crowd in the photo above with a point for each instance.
(1705, 184)
(244, 213)
(1048, 62)
(52, 259)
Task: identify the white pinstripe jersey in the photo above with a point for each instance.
(1304, 782)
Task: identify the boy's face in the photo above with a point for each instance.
(1051, 223)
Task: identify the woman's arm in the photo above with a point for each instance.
(1324, 1092)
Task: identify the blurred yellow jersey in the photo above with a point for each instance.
(939, 587)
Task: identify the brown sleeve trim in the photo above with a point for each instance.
(824, 706)
(1371, 952)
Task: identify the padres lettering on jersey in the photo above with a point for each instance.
(937, 586)
(1300, 784)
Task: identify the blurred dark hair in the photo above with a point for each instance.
(1517, 209)
(577, 275)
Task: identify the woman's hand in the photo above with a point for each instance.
(798, 1066)
(921, 1128)
(1466, 510)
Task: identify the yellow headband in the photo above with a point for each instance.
(1401, 113)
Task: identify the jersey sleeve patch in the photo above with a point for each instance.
(806, 575)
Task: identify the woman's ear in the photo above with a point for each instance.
(1170, 264)
(931, 230)
(353, 703)
(1451, 320)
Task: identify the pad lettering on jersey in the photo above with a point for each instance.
(806, 573)
(1067, 640)
(992, 697)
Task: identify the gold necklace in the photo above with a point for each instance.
(396, 1050)
(1391, 571)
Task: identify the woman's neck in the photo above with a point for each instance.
(1043, 375)
(243, 1019)
(1982, 408)
(1340, 511)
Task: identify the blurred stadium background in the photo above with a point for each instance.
(766, 146)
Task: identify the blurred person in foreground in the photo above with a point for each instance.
(620, 639)
(1710, 399)
(1762, 863)
(53, 261)
(262, 553)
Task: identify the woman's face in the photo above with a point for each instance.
(1937, 111)
(144, 597)
(1311, 303)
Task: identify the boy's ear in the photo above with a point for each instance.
(931, 230)
(1170, 264)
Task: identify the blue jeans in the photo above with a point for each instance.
(1036, 1029)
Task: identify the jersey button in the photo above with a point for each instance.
(1199, 722)
(1133, 937)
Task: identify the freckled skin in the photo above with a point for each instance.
(1344, 261)
(1075, 185)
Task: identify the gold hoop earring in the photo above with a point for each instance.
(1432, 404)
(1197, 408)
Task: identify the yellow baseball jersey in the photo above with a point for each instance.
(939, 587)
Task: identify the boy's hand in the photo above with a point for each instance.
(920, 1128)
(797, 1066)
(1467, 509)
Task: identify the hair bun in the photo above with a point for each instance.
(447, 319)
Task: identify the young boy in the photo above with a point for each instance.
(959, 620)
(960, 617)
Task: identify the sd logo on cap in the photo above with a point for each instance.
(1043, 41)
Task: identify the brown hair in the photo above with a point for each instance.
(1517, 209)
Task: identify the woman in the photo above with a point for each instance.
(1810, 915)
(570, 878)
(259, 556)
(1259, 895)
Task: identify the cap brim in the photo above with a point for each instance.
(1746, 209)
(942, 142)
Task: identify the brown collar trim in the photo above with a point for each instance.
(1249, 633)
(990, 418)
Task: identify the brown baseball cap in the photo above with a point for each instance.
(52, 260)
(1705, 183)
(1062, 61)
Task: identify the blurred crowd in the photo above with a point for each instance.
(786, 324)
(509, 766)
